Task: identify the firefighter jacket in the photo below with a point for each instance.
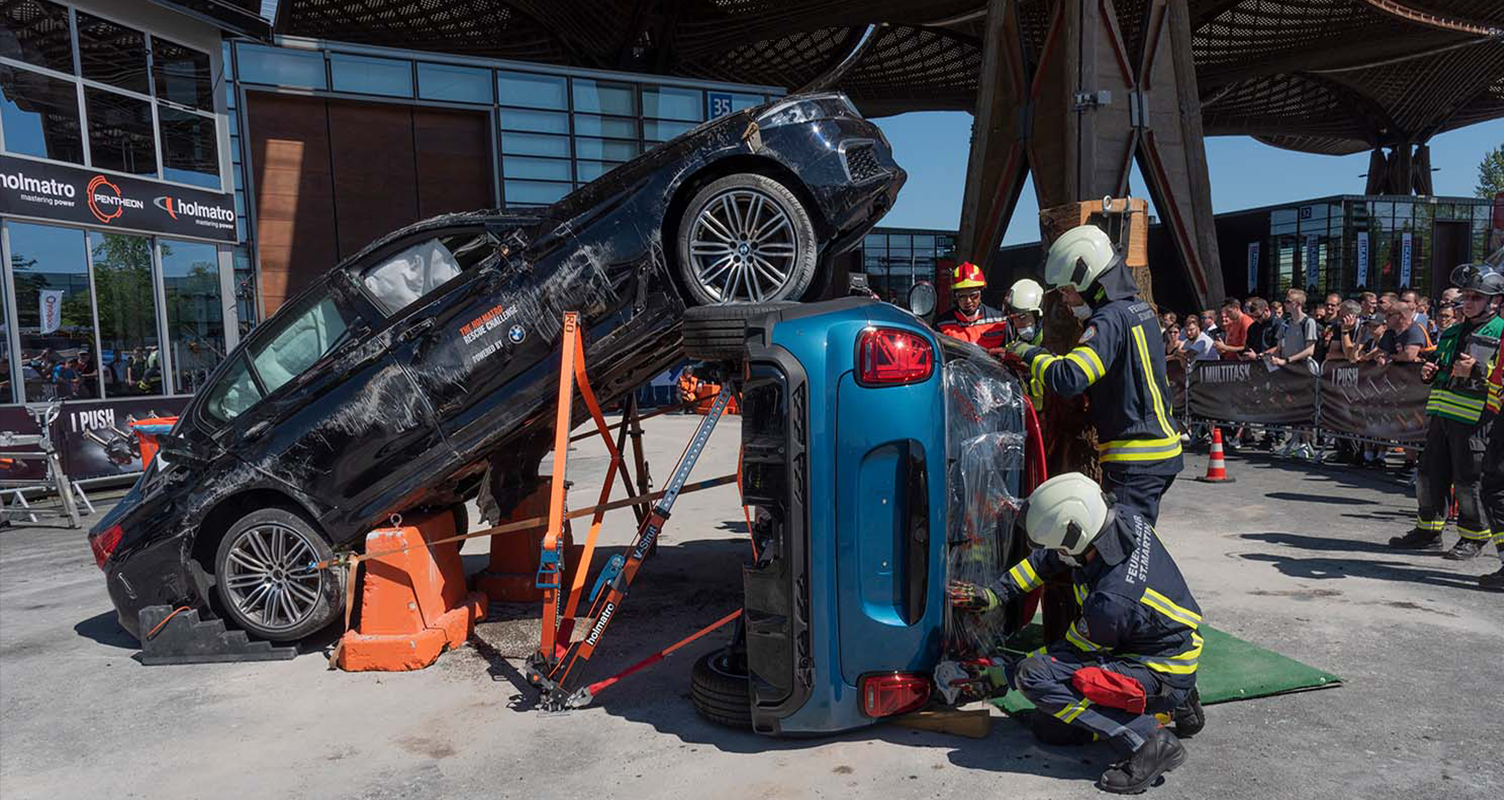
(1464, 399)
(987, 328)
(1120, 365)
(1135, 605)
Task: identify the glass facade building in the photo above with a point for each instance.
(109, 112)
(894, 259)
(108, 307)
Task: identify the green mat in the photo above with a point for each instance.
(1231, 669)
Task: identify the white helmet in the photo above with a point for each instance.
(1026, 295)
(1066, 513)
(1079, 257)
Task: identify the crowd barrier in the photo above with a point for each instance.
(1362, 401)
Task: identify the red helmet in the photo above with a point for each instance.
(968, 276)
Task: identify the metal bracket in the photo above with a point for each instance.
(1090, 101)
(1138, 109)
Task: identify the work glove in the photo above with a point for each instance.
(986, 678)
(971, 597)
(1020, 349)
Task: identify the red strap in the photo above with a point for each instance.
(1110, 689)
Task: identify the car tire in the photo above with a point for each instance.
(746, 238)
(461, 524)
(720, 690)
(718, 333)
(288, 602)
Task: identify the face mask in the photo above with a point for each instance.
(1026, 334)
(1082, 312)
(1068, 559)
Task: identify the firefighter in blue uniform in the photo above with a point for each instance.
(1133, 652)
(1119, 364)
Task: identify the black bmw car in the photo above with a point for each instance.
(420, 372)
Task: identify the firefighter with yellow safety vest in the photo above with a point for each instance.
(1458, 432)
(1119, 364)
(1132, 654)
(969, 319)
(1025, 304)
(1493, 471)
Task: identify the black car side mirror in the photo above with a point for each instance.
(922, 300)
(178, 450)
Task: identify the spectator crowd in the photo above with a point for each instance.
(1297, 329)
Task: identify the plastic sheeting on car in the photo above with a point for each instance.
(985, 445)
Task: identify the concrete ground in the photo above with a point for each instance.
(1291, 557)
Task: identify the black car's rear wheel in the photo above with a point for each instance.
(746, 238)
(264, 577)
(718, 686)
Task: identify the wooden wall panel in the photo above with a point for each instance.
(289, 151)
(371, 147)
(454, 161)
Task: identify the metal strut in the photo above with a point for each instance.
(558, 653)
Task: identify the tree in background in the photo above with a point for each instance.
(1491, 173)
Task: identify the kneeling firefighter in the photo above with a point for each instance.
(1119, 364)
(1134, 650)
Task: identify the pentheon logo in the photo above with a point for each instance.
(105, 200)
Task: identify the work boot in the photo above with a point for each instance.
(1139, 771)
(1464, 550)
(1493, 580)
(1188, 716)
(1416, 540)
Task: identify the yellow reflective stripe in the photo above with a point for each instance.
(1139, 449)
(1074, 636)
(1165, 606)
(1499, 537)
(1084, 366)
(1179, 664)
(1024, 577)
(1072, 711)
(1465, 400)
(1092, 356)
(1159, 404)
(1430, 524)
(1040, 364)
(1483, 535)
(1037, 652)
(1446, 404)
(1080, 594)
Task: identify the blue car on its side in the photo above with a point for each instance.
(853, 414)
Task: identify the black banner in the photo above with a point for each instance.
(95, 435)
(16, 420)
(74, 194)
(1248, 391)
(1377, 402)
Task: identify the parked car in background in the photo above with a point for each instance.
(421, 372)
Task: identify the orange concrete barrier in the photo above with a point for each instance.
(706, 394)
(413, 603)
(512, 575)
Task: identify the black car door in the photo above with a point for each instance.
(315, 399)
(468, 341)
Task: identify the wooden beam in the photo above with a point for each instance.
(997, 165)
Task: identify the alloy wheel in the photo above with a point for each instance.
(743, 246)
(270, 577)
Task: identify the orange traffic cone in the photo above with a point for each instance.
(1216, 468)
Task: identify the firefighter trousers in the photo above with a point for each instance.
(1046, 680)
(1452, 459)
(1138, 492)
(1493, 483)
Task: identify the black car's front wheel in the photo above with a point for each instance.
(746, 238)
(264, 577)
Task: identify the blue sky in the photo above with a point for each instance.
(1245, 173)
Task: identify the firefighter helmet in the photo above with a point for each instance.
(1480, 278)
(1066, 513)
(1026, 295)
(1079, 257)
(968, 276)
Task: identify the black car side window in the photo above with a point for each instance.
(235, 392)
(401, 279)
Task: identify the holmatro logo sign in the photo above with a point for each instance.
(54, 192)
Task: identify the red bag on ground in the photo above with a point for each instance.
(1110, 689)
